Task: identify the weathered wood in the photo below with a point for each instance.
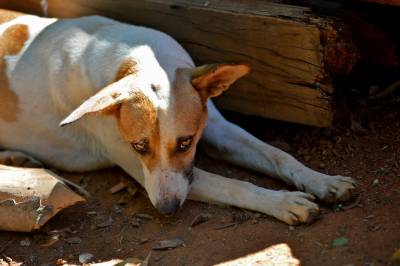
(293, 54)
(29, 197)
(385, 2)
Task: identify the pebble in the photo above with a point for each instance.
(25, 243)
(105, 223)
(86, 258)
(375, 182)
(73, 240)
(144, 216)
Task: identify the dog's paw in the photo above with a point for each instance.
(295, 208)
(15, 158)
(332, 189)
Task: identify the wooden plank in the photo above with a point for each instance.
(287, 48)
(384, 2)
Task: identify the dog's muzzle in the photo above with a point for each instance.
(168, 206)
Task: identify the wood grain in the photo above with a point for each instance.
(290, 78)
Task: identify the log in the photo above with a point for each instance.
(294, 54)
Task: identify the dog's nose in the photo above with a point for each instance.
(168, 206)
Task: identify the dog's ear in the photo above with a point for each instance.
(213, 79)
(107, 99)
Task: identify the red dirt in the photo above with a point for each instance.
(371, 224)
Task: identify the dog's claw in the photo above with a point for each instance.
(296, 208)
(331, 189)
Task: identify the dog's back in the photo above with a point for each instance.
(48, 67)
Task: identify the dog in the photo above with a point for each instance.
(90, 93)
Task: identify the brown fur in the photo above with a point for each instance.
(11, 42)
(7, 15)
(212, 80)
(190, 117)
(138, 120)
(127, 67)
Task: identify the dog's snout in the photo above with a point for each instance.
(168, 206)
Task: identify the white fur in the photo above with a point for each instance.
(71, 60)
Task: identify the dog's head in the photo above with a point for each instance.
(162, 122)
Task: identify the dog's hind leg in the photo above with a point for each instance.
(16, 158)
(290, 207)
(224, 140)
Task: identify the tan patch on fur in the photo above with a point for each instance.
(128, 67)
(11, 42)
(212, 80)
(137, 120)
(7, 15)
(190, 118)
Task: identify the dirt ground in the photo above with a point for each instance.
(370, 222)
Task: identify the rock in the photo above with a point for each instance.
(118, 187)
(340, 241)
(169, 244)
(25, 243)
(73, 240)
(86, 258)
(105, 223)
(144, 216)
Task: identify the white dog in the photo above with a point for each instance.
(131, 96)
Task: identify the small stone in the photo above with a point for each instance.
(118, 187)
(105, 223)
(170, 244)
(73, 240)
(144, 216)
(143, 240)
(25, 243)
(132, 190)
(92, 213)
(117, 209)
(340, 241)
(86, 258)
(135, 223)
(375, 182)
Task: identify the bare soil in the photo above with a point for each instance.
(370, 222)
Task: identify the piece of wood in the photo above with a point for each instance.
(29, 197)
(384, 2)
(293, 53)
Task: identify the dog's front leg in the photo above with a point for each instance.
(289, 207)
(224, 140)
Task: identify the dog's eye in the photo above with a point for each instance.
(141, 146)
(184, 144)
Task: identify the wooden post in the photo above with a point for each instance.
(294, 54)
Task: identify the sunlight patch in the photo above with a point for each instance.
(279, 254)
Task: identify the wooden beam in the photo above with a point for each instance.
(385, 2)
(293, 54)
